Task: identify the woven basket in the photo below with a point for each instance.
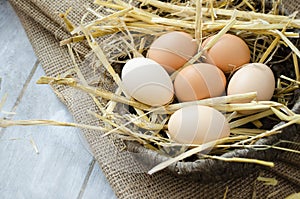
(214, 170)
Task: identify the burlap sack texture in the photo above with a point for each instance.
(45, 29)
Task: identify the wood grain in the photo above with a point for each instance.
(96, 186)
(63, 168)
(16, 55)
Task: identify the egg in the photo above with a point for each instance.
(197, 125)
(254, 77)
(199, 81)
(228, 53)
(147, 81)
(172, 50)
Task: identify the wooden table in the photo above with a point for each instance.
(61, 165)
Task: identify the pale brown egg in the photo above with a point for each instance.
(228, 53)
(197, 125)
(254, 77)
(172, 50)
(199, 81)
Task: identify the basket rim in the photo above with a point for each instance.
(205, 169)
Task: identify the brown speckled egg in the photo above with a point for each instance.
(172, 50)
(199, 81)
(228, 53)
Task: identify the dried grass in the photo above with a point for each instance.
(263, 32)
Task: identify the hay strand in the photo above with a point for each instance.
(265, 33)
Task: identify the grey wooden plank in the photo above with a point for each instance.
(60, 168)
(16, 55)
(57, 145)
(97, 186)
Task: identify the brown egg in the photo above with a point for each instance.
(172, 50)
(199, 81)
(228, 53)
(254, 77)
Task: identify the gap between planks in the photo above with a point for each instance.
(21, 94)
(86, 179)
(14, 108)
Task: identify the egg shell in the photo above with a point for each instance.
(172, 50)
(197, 125)
(147, 81)
(254, 77)
(199, 81)
(228, 53)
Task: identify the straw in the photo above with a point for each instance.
(127, 30)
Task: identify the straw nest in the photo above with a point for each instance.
(117, 30)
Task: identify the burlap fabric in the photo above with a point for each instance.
(45, 29)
